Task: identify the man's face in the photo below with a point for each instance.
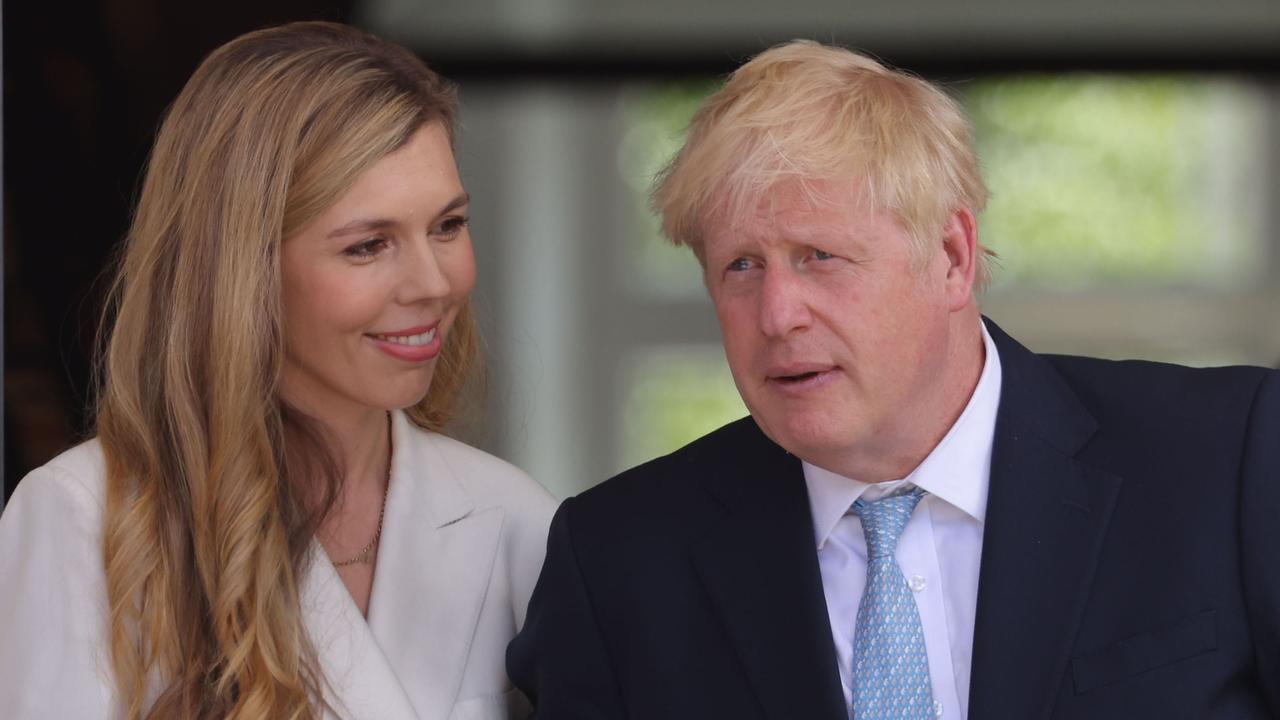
(836, 333)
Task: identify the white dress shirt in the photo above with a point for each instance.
(939, 551)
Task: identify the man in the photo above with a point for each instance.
(921, 518)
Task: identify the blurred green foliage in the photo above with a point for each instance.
(656, 117)
(675, 395)
(1100, 179)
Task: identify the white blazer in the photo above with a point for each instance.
(462, 544)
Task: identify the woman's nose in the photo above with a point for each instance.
(423, 277)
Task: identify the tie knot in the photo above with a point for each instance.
(884, 520)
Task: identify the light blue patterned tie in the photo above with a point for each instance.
(890, 667)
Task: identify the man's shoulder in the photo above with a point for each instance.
(709, 453)
(675, 479)
(1189, 417)
(1118, 384)
(1176, 389)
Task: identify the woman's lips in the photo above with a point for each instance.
(417, 344)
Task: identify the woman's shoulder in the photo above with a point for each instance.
(487, 479)
(75, 480)
(53, 648)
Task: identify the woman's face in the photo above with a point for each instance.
(372, 286)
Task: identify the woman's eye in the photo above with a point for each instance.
(366, 249)
(452, 225)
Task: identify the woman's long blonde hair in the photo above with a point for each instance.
(214, 486)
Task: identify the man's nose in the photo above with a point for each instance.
(784, 307)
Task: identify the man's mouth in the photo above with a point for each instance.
(796, 378)
(800, 374)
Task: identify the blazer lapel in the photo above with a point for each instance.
(434, 565)
(760, 568)
(1046, 517)
(363, 684)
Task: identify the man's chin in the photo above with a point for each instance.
(815, 438)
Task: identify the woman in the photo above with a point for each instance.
(267, 524)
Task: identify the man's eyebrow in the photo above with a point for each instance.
(363, 225)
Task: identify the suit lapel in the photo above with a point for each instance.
(434, 566)
(760, 568)
(362, 682)
(1046, 517)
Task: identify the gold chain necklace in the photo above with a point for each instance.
(365, 556)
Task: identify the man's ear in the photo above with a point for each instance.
(960, 244)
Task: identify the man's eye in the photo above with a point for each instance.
(366, 249)
(739, 264)
(822, 255)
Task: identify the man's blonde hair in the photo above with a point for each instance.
(811, 112)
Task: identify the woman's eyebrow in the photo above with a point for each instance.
(454, 204)
(362, 225)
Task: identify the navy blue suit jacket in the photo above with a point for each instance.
(1130, 564)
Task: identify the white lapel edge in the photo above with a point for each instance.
(436, 561)
(360, 682)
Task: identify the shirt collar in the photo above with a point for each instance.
(957, 470)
